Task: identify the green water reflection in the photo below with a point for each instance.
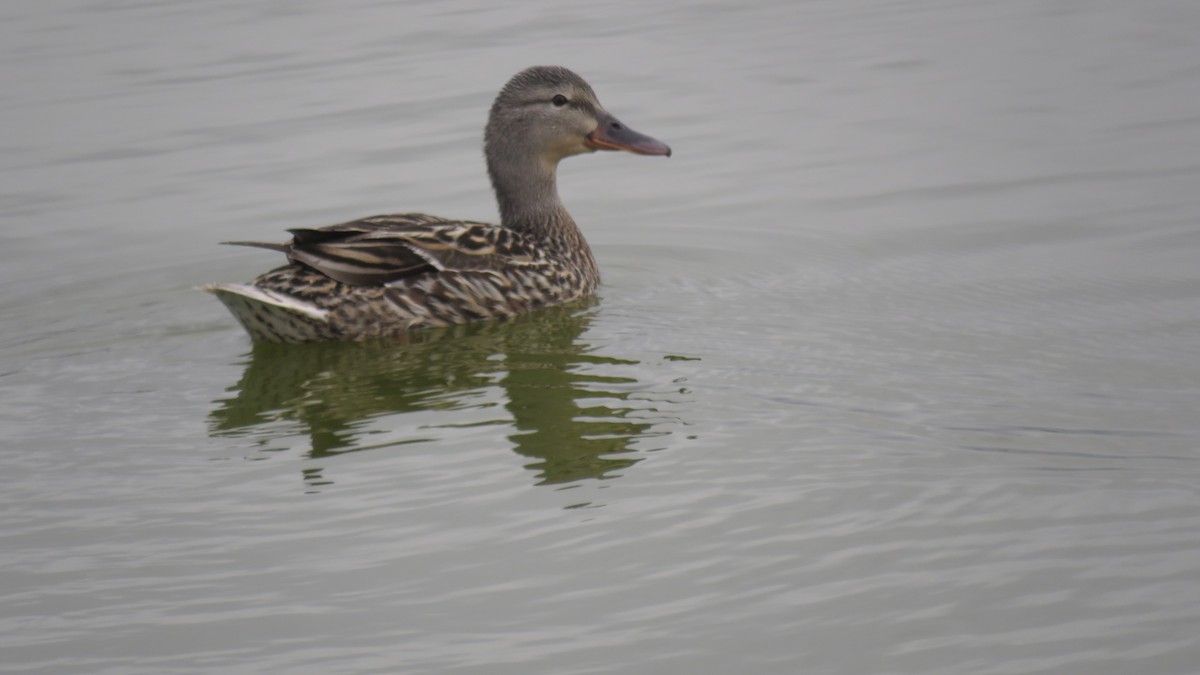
(572, 411)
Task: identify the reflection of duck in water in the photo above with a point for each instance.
(386, 275)
(570, 412)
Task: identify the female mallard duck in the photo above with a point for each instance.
(386, 275)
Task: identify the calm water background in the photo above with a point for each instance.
(896, 367)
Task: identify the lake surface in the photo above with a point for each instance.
(895, 369)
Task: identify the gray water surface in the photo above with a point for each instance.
(895, 368)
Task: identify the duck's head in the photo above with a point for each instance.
(548, 113)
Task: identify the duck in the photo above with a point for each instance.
(388, 275)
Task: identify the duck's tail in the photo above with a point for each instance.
(274, 317)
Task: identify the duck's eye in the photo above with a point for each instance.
(559, 100)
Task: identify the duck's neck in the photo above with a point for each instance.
(527, 193)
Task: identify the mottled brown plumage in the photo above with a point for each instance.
(386, 275)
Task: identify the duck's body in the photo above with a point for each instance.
(386, 275)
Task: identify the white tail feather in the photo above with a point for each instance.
(272, 316)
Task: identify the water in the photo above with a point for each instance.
(895, 368)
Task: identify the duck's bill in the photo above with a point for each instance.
(611, 134)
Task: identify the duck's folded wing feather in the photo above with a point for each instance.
(384, 249)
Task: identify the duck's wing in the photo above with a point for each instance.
(382, 249)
